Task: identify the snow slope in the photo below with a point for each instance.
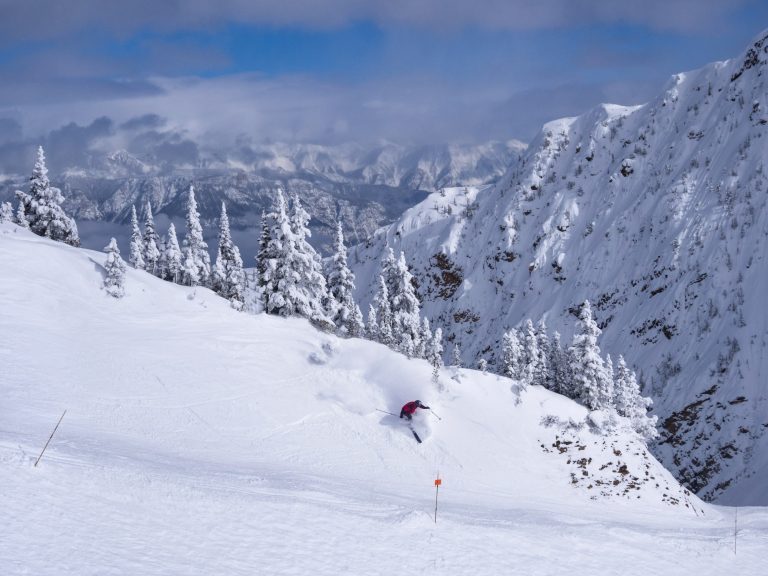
(199, 440)
(658, 215)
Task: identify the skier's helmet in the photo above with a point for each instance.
(417, 402)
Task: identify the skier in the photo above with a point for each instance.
(409, 409)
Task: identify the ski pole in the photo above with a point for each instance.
(435, 415)
(385, 412)
(49, 438)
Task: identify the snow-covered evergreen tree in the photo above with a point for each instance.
(196, 260)
(42, 207)
(341, 286)
(114, 281)
(542, 373)
(313, 297)
(625, 389)
(228, 275)
(217, 271)
(631, 404)
(189, 269)
(292, 280)
(21, 216)
(592, 383)
(276, 278)
(263, 256)
(609, 372)
(383, 314)
(389, 272)
(6, 212)
(512, 364)
(162, 261)
(433, 352)
(355, 325)
(406, 320)
(173, 256)
(456, 355)
(425, 338)
(136, 253)
(372, 330)
(531, 367)
(151, 252)
(558, 368)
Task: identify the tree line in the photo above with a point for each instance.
(579, 371)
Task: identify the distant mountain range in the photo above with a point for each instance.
(366, 187)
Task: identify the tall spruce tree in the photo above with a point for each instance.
(531, 356)
(512, 355)
(276, 278)
(136, 253)
(631, 404)
(114, 280)
(355, 323)
(433, 352)
(42, 207)
(542, 375)
(456, 355)
(558, 368)
(262, 255)
(196, 261)
(425, 338)
(6, 212)
(229, 277)
(173, 257)
(383, 314)
(341, 287)
(313, 293)
(162, 261)
(405, 309)
(21, 216)
(292, 281)
(389, 272)
(592, 383)
(151, 252)
(372, 330)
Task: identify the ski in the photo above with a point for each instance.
(409, 424)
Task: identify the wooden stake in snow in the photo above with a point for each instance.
(49, 438)
(438, 481)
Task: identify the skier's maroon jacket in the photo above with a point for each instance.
(408, 410)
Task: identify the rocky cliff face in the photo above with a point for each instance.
(658, 215)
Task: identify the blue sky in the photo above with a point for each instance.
(417, 70)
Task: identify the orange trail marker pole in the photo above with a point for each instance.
(49, 438)
(437, 490)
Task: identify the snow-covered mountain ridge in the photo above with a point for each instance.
(416, 167)
(367, 187)
(200, 439)
(658, 216)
